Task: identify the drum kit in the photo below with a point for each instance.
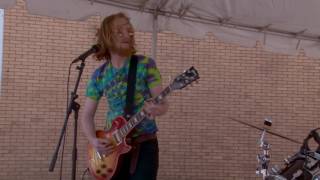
(304, 165)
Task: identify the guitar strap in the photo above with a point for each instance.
(128, 112)
(131, 82)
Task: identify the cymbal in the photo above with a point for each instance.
(268, 131)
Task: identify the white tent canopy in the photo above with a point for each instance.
(282, 26)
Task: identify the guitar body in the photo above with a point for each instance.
(103, 167)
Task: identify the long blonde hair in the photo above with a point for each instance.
(105, 38)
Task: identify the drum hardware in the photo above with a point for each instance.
(264, 157)
(304, 165)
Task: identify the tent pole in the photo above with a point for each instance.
(154, 35)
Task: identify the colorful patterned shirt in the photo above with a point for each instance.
(112, 82)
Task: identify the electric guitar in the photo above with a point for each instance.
(103, 167)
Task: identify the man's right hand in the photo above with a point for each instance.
(103, 146)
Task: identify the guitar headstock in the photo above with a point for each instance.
(184, 79)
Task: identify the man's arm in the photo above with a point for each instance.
(103, 146)
(156, 109)
(87, 120)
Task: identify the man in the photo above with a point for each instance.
(116, 47)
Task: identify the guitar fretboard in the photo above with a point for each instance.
(137, 118)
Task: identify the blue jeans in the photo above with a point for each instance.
(147, 163)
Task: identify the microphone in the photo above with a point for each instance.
(83, 56)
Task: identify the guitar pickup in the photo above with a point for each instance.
(116, 139)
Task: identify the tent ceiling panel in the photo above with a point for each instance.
(243, 22)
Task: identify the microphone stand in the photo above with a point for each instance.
(72, 106)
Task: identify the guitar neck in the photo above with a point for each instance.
(137, 118)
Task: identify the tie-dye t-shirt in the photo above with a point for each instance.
(112, 82)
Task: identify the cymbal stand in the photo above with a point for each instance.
(264, 157)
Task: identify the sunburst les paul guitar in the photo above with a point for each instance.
(103, 167)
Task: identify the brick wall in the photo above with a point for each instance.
(197, 138)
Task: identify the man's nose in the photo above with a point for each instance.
(127, 33)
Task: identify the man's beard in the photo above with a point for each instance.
(127, 51)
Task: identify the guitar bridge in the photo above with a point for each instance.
(99, 155)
